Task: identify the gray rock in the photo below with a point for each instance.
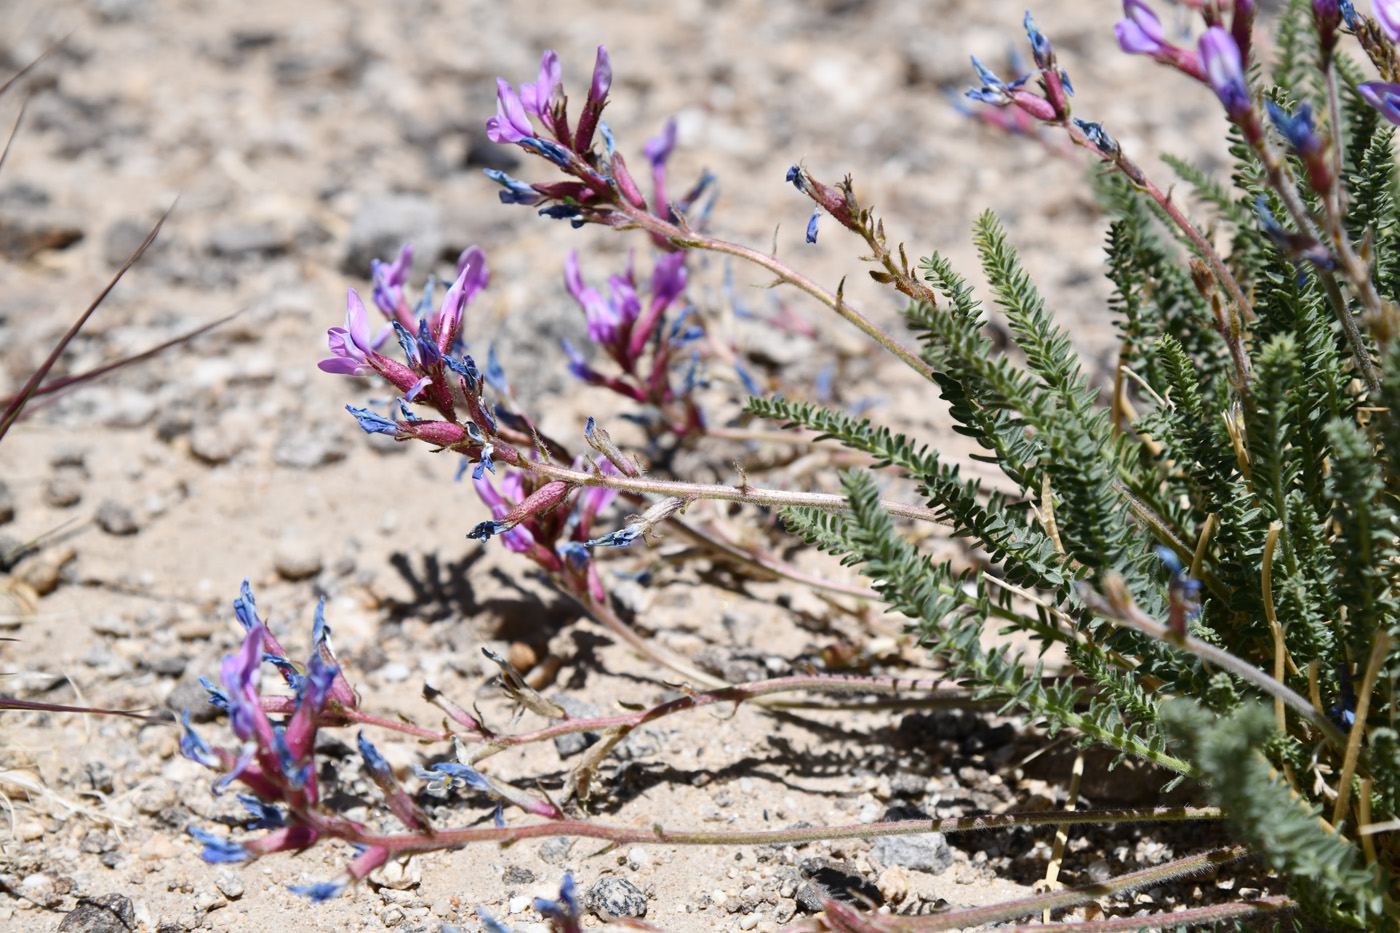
(190, 695)
(65, 488)
(384, 224)
(116, 519)
(555, 851)
(575, 742)
(928, 852)
(296, 559)
(211, 444)
(229, 884)
(828, 879)
(239, 241)
(7, 504)
(612, 898)
(107, 913)
(516, 874)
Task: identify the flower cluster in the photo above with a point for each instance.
(275, 757)
(602, 189)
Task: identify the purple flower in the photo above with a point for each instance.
(812, 225)
(1384, 97)
(659, 148)
(535, 98)
(603, 320)
(1140, 31)
(239, 673)
(516, 539)
(1388, 16)
(602, 78)
(389, 279)
(510, 124)
(352, 344)
(1220, 56)
(472, 277)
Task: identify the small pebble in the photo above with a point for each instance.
(748, 922)
(395, 672)
(211, 444)
(296, 559)
(64, 489)
(229, 884)
(637, 858)
(612, 898)
(116, 519)
(518, 905)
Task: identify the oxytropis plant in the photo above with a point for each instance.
(1212, 545)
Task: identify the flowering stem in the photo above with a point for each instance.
(1282, 183)
(682, 236)
(632, 835)
(741, 493)
(1135, 174)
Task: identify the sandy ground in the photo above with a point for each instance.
(300, 139)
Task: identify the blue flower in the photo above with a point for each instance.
(812, 225)
(1296, 128)
(575, 552)
(322, 890)
(375, 763)
(245, 609)
(265, 815)
(491, 923)
(516, 192)
(794, 175)
(1098, 136)
(443, 776)
(193, 747)
(217, 849)
(485, 531)
(623, 537)
(371, 422)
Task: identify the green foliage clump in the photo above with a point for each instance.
(1222, 564)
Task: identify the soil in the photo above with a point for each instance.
(297, 142)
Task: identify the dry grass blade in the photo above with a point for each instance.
(32, 706)
(97, 372)
(14, 131)
(34, 63)
(18, 402)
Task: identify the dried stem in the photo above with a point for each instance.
(773, 498)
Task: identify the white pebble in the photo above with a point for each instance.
(637, 858)
(749, 922)
(518, 905)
